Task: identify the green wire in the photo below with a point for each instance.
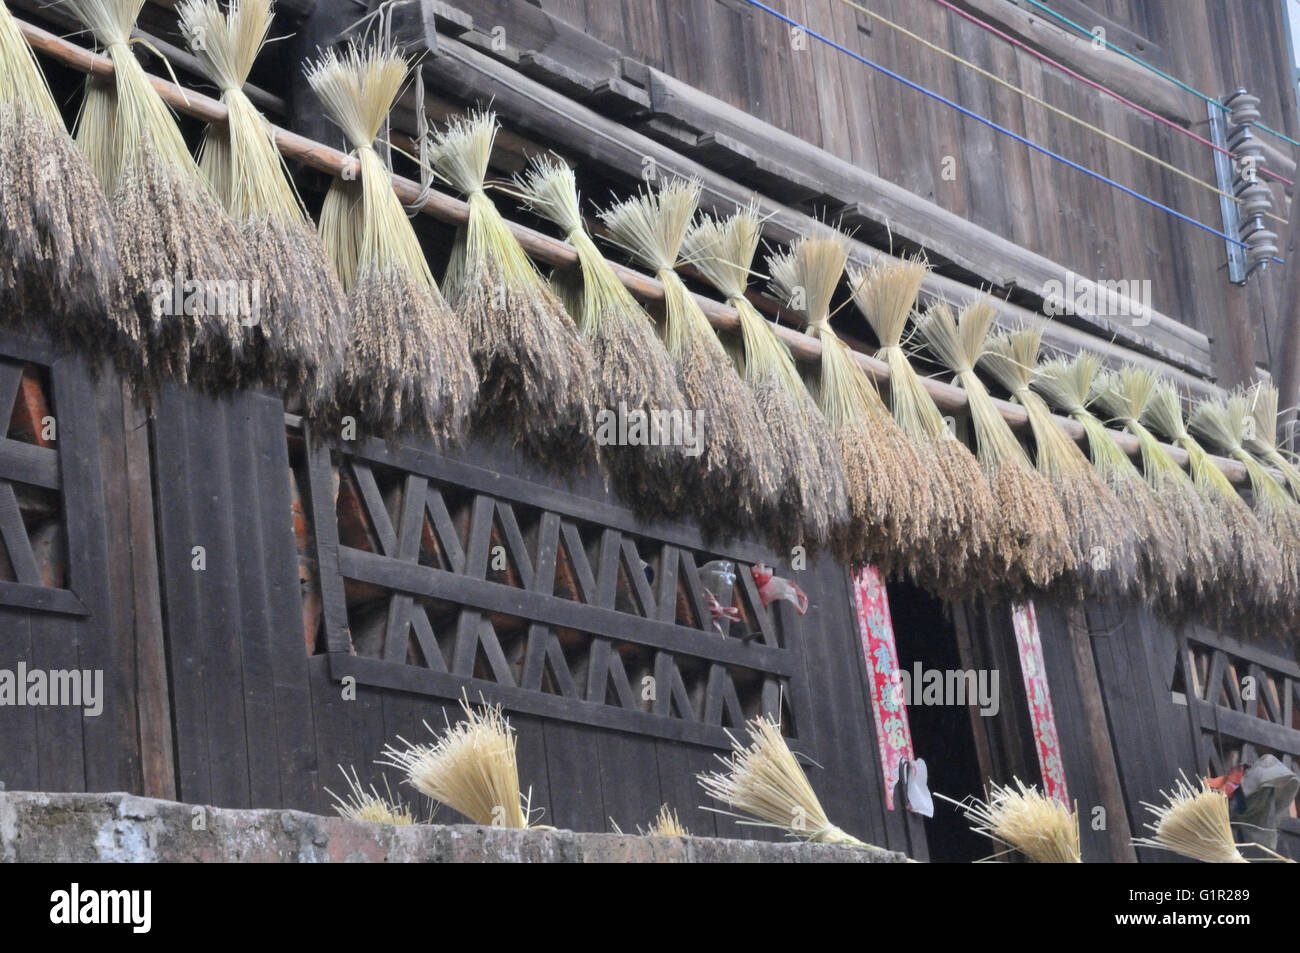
(1140, 62)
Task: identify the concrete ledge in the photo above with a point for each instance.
(88, 828)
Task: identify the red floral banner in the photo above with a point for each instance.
(893, 733)
(1025, 622)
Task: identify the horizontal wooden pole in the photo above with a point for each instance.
(545, 248)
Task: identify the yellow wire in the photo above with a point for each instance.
(1170, 167)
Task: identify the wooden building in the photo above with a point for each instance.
(267, 605)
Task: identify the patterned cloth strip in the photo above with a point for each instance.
(876, 628)
(1025, 622)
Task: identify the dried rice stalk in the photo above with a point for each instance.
(666, 824)
(632, 367)
(302, 337)
(1069, 385)
(170, 228)
(471, 768)
(409, 367)
(59, 270)
(1193, 824)
(361, 804)
(538, 384)
(1257, 569)
(891, 496)
(764, 780)
(1030, 546)
(1044, 830)
(1105, 546)
(965, 511)
(738, 468)
(1262, 438)
(813, 507)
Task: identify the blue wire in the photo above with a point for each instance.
(1002, 129)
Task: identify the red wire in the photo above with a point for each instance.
(1098, 86)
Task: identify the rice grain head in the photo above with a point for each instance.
(169, 226)
(409, 368)
(1262, 438)
(738, 472)
(538, 386)
(301, 339)
(1023, 819)
(59, 268)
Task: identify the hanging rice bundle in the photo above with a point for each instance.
(409, 367)
(1029, 547)
(666, 824)
(1225, 423)
(1261, 439)
(1257, 569)
(471, 768)
(891, 497)
(1069, 385)
(1023, 819)
(1204, 581)
(813, 506)
(966, 512)
(301, 337)
(764, 780)
(1107, 558)
(631, 366)
(362, 804)
(176, 243)
(538, 384)
(59, 270)
(1193, 824)
(739, 471)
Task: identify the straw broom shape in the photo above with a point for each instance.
(1023, 819)
(1225, 423)
(965, 509)
(1069, 385)
(1193, 824)
(631, 365)
(409, 367)
(537, 380)
(1258, 571)
(814, 501)
(169, 225)
(1105, 546)
(59, 269)
(1029, 538)
(302, 335)
(738, 471)
(764, 780)
(891, 497)
(471, 768)
(369, 805)
(1262, 438)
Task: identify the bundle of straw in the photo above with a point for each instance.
(965, 510)
(409, 367)
(59, 270)
(1262, 438)
(764, 781)
(891, 495)
(363, 804)
(1105, 545)
(1044, 830)
(632, 367)
(1029, 538)
(471, 768)
(739, 470)
(538, 385)
(1193, 824)
(1225, 422)
(1258, 570)
(666, 824)
(301, 337)
(1069, 385)
(814, 500)
(170, 228)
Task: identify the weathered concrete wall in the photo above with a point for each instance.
(36, 826)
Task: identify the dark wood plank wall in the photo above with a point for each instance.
(744, 57)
